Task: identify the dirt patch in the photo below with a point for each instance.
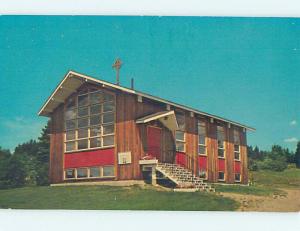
(285, 202)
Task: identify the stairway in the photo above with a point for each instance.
(183, 177)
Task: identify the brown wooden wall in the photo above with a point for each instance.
(212, 150)
(132, 137)
(57, 145)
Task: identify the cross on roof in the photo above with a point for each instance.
(117, 65)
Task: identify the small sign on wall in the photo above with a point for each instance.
(124, 158)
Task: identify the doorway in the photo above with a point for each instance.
(154, 141)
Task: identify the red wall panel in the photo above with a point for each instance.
(221, 164)
(202, 162)
(90, 158)
(237, 166)
(180, 159)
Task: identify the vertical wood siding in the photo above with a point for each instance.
(56, 146)
(132, 137)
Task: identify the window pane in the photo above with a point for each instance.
(108, 171)
(236, 148)
(220, 133)
(70, 114)
(220, 144)
(70, 124)
(180, 120)
(70, 173)
(95, 120)
(237, 177)
(71, 103)
(83, 111)
(201, 139)
(95, 131)
(70, 146)
(82, 144)
(108, 140)
(201, 129)
(108, 97)
(83, 100)
(83, 122)
(220, 152)
(81, 172)
(70, 135)
(94, 172)
(95, 142)
(108, 106)
(108, 118)
(237, 156)
(83, 133)
(202, 174)
(108, 129)
(221, 175)
(202, 150)
(236, 137)
(95, 109)
(179, 135)
(180, 146)
(96, 97)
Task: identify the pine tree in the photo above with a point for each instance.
(43, 153)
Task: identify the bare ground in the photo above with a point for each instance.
(285, 202)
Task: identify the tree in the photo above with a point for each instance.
(43, 156)
(297, 155)
(15, 172)
(4, 158)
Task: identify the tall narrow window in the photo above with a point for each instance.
(201, 138)
(89, 120)
(236, 141)
(221, 139)
(180, 136)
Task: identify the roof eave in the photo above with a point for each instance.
(42, 111)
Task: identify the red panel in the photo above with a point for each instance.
(221, 163)
(180, 159)
(237, 166)
(202, 162)
(153, 141)
(90, 158)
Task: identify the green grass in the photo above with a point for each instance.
(288, 178)
(266, 183)
(111, 198)
(250, 190)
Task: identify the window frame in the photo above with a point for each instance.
(240, 178)
(223, 180)
(101, 171)
(236, 141)
(89, 127)
(205, 136)
(183, 142)
(223, 142)
(237, 152)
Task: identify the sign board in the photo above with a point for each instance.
(124, 158)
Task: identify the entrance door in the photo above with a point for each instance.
(154, 141)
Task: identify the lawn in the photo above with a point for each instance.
(289, 178)
(250, 190)
(266, 183)
(110, 198)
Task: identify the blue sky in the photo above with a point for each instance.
(243, 69)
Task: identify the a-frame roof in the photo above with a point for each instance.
(73, 80)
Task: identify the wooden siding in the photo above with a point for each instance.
(132, 137)
(57, 145)
(244, 158)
